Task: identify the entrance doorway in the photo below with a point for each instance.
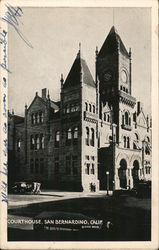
(122, 173)
(135, 173)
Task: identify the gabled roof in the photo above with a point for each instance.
(53, 105)
(74, 77)
(111, 43)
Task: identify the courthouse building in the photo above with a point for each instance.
(97, 132)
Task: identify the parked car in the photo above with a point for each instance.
(26, 187)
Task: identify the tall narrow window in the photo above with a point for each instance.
(69, 137)
(126, 118)
(86, 106)
(93, 109)
(42, 117)
(87, 136)
(38, 118)
(92, 137)
(90, 108)
(32, 142)
(35, 145)
(93, 170)
(67, 109)
(128, 142)
(108, 118)
(57, 138)
(75, 135)
(18, 145)
(105, 116)
(87, 168)
(42, 141)
(38, 142)
(34, 119)
(124, 141)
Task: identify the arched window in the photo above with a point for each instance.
(86, 106)
(93, 109)
(87, 136)
(90, 108)
(128, 142)
(92, 137)
(105, 116)
(124, 141)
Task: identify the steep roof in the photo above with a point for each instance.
(79, 67)
(110, 44)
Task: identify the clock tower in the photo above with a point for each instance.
(114, 76)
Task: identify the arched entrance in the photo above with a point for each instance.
(122, 173)
(135, 173)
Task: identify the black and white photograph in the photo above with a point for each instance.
(79, 124)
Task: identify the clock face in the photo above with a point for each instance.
(123, 76)
(107, 76)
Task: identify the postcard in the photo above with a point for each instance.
(79, 124)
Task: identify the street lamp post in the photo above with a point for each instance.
(107, 174)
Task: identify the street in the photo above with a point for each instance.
(129, 217)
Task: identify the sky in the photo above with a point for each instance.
(55, 34)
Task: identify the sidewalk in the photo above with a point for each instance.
(49, 195)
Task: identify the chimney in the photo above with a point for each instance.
(139, 107)
(44, 93)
